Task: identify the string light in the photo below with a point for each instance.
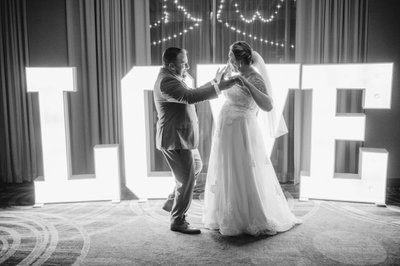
(176, 35)
(164, 18)
(226, 24)
(185, 12)
(253, 37)
(257, 14)
(242, 32)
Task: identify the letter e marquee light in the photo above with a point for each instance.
(369, 185)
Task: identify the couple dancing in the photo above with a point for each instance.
(242, 193)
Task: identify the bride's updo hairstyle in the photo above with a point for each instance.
(242, 52)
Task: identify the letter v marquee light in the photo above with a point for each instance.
(57, 186)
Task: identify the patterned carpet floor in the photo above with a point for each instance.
(137, 233)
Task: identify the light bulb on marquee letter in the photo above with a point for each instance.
(51, 84)
(327, 126)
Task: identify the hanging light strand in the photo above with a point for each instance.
(219, 19)
(244, 33)
(257, 14)
(176, 35)
(164, 19)
(186, 13)
(252, 36)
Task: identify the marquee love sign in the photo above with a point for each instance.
(321, 182)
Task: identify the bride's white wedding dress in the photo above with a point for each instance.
(242, 193)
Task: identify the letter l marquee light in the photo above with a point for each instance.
(51, 84)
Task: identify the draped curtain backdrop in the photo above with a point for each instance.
(101, 42)
(18, 150)
(101, 46)
(328, 31)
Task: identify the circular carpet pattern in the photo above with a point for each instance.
(350, 247)
(137, 233)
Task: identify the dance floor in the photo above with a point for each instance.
(137, 233)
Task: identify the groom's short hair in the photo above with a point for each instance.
(170, 55)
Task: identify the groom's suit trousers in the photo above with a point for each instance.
(185, 165)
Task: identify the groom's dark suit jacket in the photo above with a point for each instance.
(177, 125)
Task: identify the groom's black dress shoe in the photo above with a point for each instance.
(185, 228)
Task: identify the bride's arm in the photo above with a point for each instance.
(260, 96)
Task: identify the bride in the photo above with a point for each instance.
(242, 193)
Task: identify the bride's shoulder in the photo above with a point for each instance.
(254, 75)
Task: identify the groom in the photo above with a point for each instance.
(178, 129)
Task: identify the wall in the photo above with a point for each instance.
(383, 45)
